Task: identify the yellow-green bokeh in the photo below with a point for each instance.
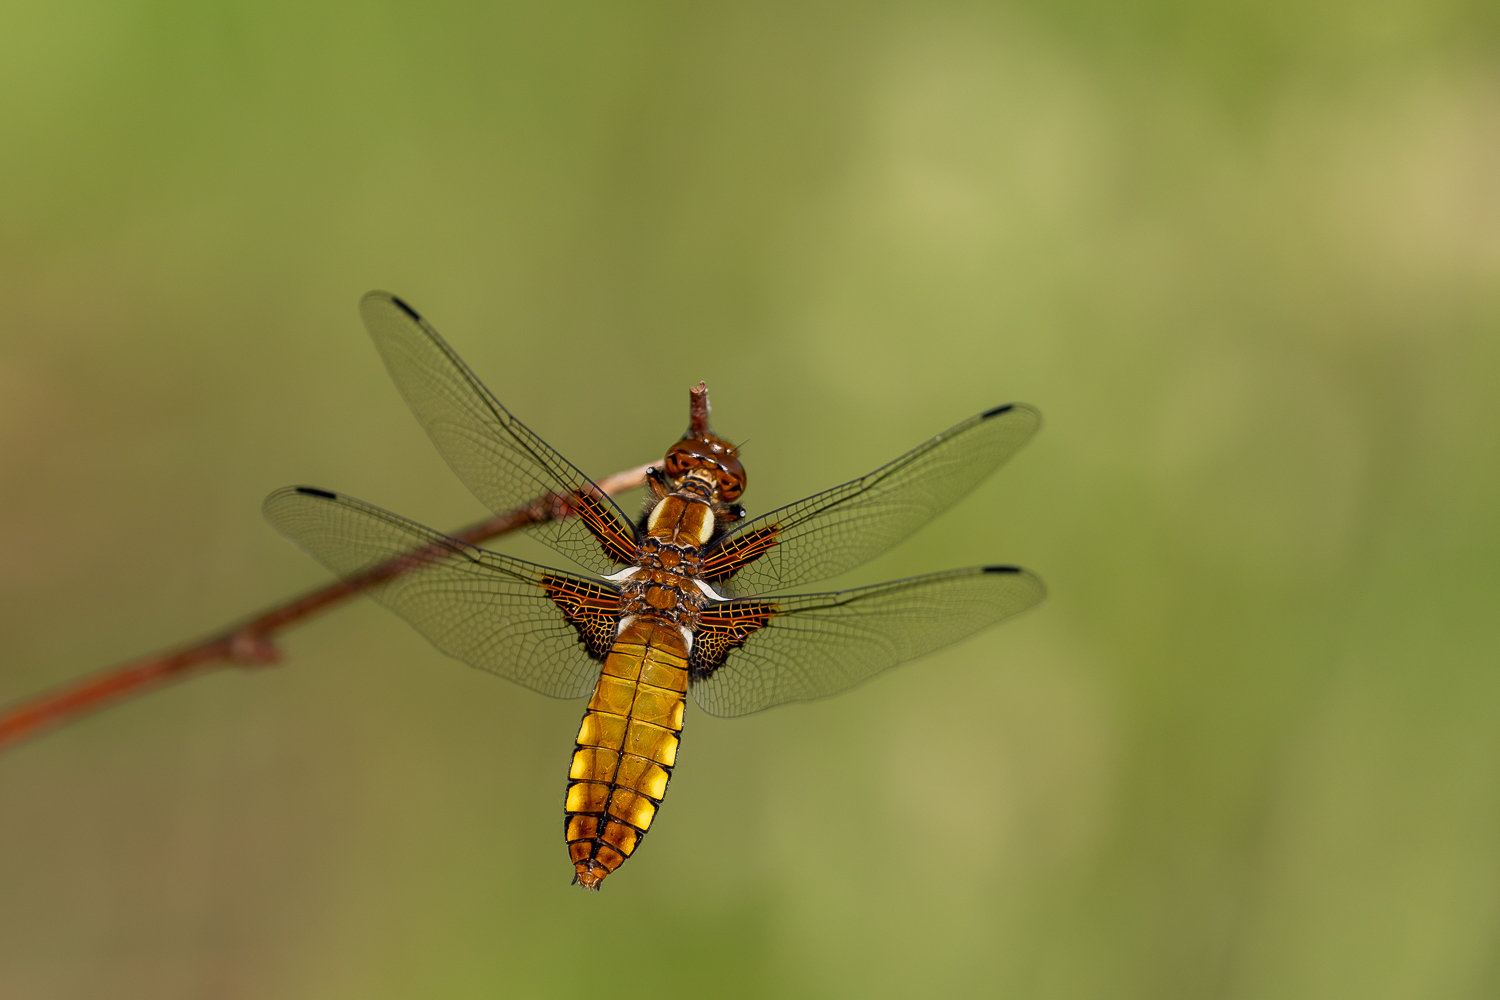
(1245, 257)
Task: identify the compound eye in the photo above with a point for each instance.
(729, 487)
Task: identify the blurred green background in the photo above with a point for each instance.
(1244, 256)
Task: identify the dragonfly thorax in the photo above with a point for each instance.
(683, 519)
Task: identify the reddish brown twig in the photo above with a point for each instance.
(698, 411)
(251, 643)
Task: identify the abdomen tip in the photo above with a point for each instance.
(589, 875)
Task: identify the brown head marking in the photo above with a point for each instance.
(710, 454)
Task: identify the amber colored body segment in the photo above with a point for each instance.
(627, 745)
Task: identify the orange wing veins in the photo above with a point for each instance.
(739, 551)
(618, 544)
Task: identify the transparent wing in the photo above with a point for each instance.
(836, 530)
(497, 457)
(538, 627)
(753, 654)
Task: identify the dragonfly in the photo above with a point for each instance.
(686, 599)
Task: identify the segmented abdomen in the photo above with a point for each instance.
(627, 745)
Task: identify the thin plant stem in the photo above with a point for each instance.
(251, 642)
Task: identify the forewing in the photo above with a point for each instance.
(836, 530)
(497, 457)
(753, 654)
(539, 627)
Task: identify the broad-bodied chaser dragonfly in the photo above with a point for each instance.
(672, 603)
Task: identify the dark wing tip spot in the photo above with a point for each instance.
(986, 414)
(406, 308)
(313, 492)
(1002, 569)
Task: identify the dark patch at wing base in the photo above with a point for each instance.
(723, 628)
(592, 609)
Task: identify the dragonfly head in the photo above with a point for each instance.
(709, 460)
(704, 472)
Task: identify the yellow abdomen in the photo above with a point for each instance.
(627, 745)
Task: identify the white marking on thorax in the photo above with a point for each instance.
(625, 623)
(708, 591)
(656, 514)
(624, 574)
(687, 637)
(706, 526)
